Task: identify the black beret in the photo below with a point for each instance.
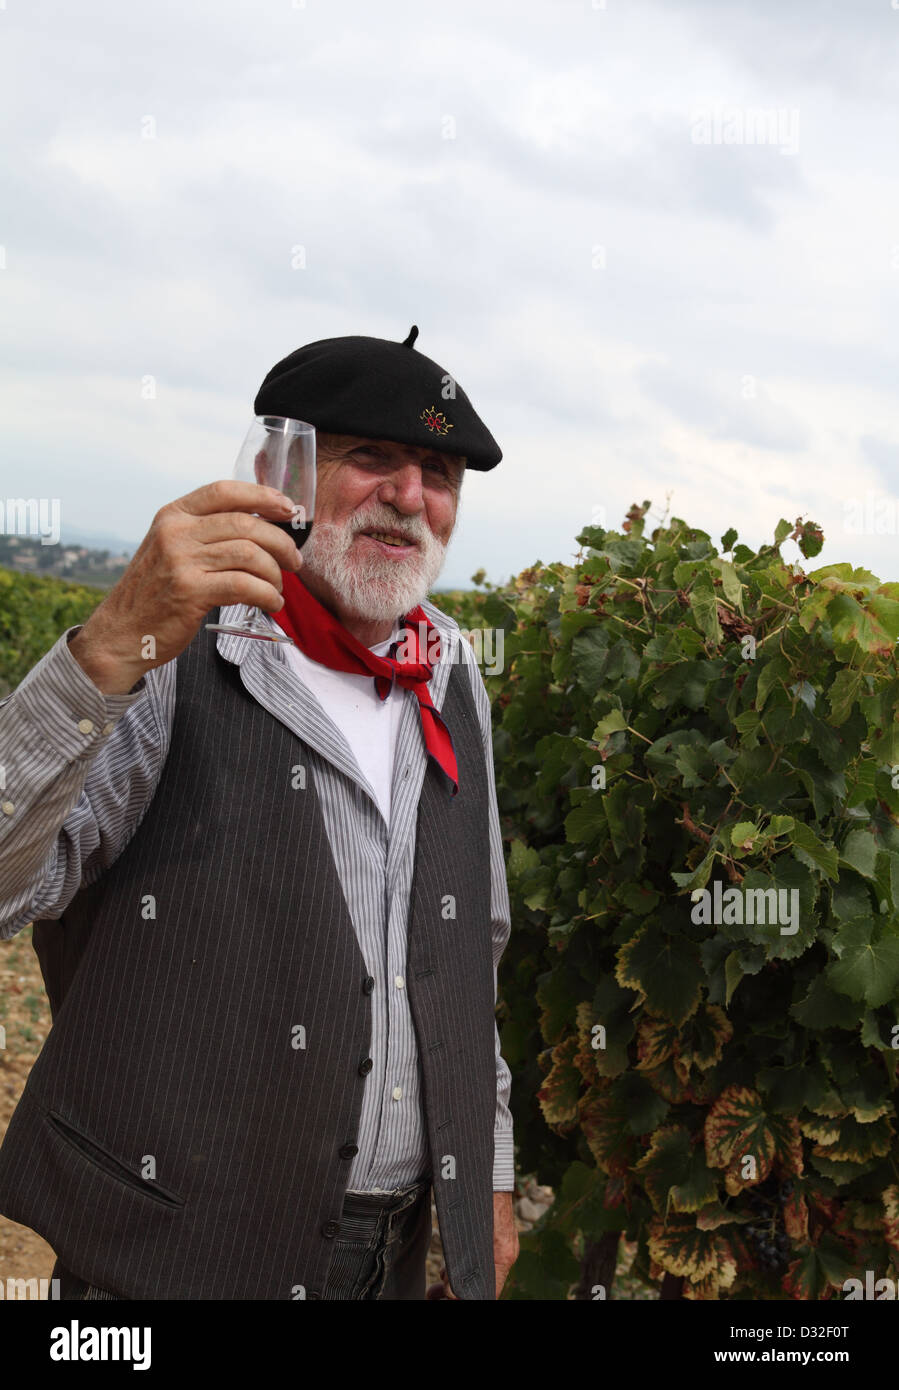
(379, 390)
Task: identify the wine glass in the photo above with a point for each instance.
(278, 453)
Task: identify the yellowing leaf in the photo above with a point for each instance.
(825, 1131)
(558, 1095)
(679, 1248)
(857, 1143)
(805, 1279)
(603, 1120)
(656, 1038)
(674, 1172)
(891, 1216)
(741, 1137)
(667, 1080)
(665, 968)
(705, 1036)
(795, 1214)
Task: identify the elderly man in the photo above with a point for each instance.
(267, 884)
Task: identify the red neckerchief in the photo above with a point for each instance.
(319, 634)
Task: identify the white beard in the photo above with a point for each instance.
(370, 585)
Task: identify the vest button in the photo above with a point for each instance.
(368, 984)
(365, 1067)
(330, 1229)
(348, 1150)
(313, 1293)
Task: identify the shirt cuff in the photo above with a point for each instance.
(65, 707)
(503, 1161)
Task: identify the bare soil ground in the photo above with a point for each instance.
(25, 1018)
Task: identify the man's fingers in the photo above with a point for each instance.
(243, 555)
(233, 495)
(234, 586)
(241, 527)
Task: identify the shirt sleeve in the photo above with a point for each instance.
(78, 769)
(500, 920)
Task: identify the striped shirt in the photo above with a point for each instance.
(78, 770)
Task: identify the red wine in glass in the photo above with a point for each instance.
(280, 453)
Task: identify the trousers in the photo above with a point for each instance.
(379, 1252)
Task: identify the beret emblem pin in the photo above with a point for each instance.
(435, 420)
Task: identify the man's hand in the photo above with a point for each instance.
(505, 1238)
(202, 550)
(505, 1248)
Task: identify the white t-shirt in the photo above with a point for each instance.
(369, 724)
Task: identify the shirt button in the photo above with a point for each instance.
(365, 1067)
(400, 982)
(7, 808)
(85, 726)
(397, 1093)
(108, 728)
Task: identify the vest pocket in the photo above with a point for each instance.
(109, 1164)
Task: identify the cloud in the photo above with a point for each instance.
(195, 191)
(738, 409)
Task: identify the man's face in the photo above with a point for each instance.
(384, 514)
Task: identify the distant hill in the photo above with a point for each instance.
(81, 564)
(98, 540)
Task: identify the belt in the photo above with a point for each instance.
(371, 1206)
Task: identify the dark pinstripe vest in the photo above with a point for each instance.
(178, 1136)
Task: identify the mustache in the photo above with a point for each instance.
(410, 528)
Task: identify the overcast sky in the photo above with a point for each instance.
(657, 245)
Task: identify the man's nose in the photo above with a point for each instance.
(403, 489)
